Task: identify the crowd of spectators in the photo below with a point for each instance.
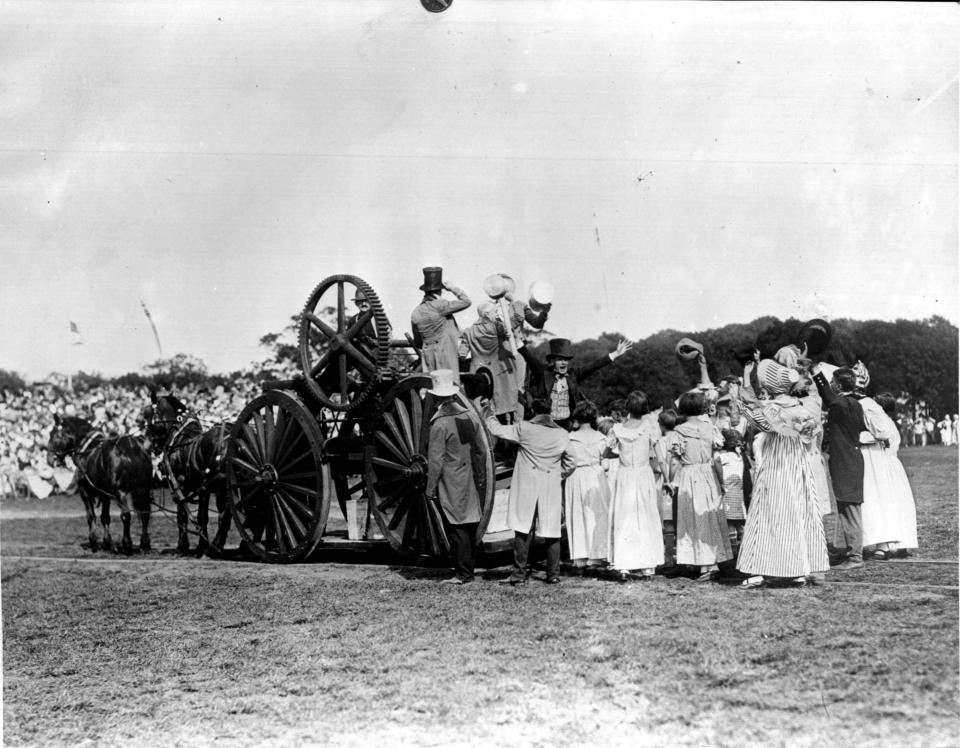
(26, 418)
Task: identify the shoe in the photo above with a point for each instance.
(623, 576)
(513, 581)
(817, 578)
(798, 582)
(456, 580)
(848, 565)
(753, 583)
(708, 576)
(880, 556)
(553, 580)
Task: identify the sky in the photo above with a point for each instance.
(662, 165)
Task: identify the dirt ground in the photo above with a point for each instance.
(352, 650)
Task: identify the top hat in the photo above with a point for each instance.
(816, 334)
(432, 279)
(442, 383)
(688, 349)
(494, 286)
(541, 295)
(560, 348)
(776, 378)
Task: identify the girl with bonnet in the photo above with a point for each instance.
(636, 536)
(586, 492)
(702, 538)
(783, 537)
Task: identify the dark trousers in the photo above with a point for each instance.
(463, 550)
(521, 551)
(851, 529)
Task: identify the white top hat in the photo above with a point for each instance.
(442, 383)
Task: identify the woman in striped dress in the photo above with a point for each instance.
(702, 538)
(783, 537)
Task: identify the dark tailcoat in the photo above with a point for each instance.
(842, 442)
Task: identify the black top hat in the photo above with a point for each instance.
(816, 334)
(432, 279)
(560, 348)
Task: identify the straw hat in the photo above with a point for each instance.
(687, 349)
(494, 286)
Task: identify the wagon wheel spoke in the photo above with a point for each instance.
(400, 445)
(341, 309)
(359, 359)
(343, 380)
(404, 416)
(321, 364)
(322, 326)
(303, 490)
(362, 319)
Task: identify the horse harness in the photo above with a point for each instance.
(191, 445)
(82, 455)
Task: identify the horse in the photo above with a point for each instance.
(115, 469)
(191, 462)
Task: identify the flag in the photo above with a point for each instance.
(156, 335)
(75, 333)
(73, 327)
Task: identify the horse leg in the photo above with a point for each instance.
(203, 513)
(144, 530)
(105, 522)
(141, 503)
(223, 520)
(183, 520)
(90, 507)
(123, 501)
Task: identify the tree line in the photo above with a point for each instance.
(918, 357)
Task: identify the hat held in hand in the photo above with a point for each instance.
(688, 350)
(816, 335)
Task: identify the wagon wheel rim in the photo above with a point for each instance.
(395, 470)
(340, 362)
(277, 482)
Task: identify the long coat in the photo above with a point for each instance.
(535, 487)
(436, 333)
(485, 341)
(541, 377)
(842, 442)
(453, 464)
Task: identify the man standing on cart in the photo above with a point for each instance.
(435, 331)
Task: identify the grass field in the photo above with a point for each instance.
(167, 651)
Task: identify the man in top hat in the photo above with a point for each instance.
(536, 494)
(845, 421)
(557, 382)
(435, 330)
(455, 474)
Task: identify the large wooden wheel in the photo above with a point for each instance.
(342, 353)
(395, 469)
(276, 478)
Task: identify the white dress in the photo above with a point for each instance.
(883, 514)
(586, 497)
(636, 535)
(901, 493)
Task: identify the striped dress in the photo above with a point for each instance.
(783, 536)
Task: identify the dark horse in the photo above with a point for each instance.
(192, 464)
(115, 469)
